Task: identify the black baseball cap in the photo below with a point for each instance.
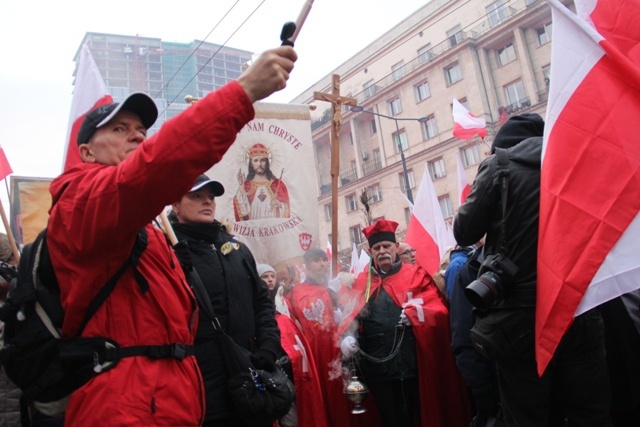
(138, 103)
(203, 180)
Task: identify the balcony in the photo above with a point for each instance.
(371, 166)
(522, 105)
(349, 176)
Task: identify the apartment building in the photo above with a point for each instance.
(492, 56)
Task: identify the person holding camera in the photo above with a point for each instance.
(504, 204)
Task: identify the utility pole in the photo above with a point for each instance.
(337, 101)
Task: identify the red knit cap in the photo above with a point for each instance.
(382, 231)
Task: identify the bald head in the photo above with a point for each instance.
(407, 253)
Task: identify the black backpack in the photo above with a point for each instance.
(46, 367)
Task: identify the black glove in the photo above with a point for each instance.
(184, 254)
(264, 359)
(487, 404)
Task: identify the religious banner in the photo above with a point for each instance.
(270, 185)
(30, 203)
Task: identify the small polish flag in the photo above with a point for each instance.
(465, 124)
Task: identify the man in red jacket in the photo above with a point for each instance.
(397, 324)
(99, 206)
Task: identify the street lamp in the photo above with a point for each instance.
(360, 109)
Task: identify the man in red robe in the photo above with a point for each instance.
(397, 325)
(316, 309)
(260, 195)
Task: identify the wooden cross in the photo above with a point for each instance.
(337, 102)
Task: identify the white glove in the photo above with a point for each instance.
(335, 284)
(404, 320)
(349, 347)
(337, 316)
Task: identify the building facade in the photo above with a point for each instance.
(167, 71)
(492, 56)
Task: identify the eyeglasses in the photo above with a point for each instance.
(408, 252)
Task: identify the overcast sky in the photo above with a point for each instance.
(39, 39)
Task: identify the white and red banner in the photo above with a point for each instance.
(465, 124)
(270, 192)
(427, 232)
(5, 167)
(590, 185)
(89, 92)
(463, 183)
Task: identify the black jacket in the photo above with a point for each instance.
(482, 213)
(241, 303)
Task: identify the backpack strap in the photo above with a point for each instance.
(142, 240)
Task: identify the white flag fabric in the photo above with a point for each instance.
(590, 183)
(355, 261)
(465, 124)
(270, 194)
(89, 92)
(427, 232)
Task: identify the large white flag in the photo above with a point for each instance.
(270, 194)
(427, 232)
(89, 92)
(590, 184)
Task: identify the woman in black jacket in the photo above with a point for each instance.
(240, 299)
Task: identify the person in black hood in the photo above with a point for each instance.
(575, 385)
(239, 297)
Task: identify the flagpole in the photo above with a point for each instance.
(12, 241)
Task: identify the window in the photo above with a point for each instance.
(352, 202)
(369, 89)
(453, 73)
(372, 127)
(455, 35)
(546, 72)
(544, 34)
(423, 91)
(355, 233)
(470, 155)
(412, 181)
(506, 54)
(445, 206)
(374, 194)
(497, 12)
(514, 93)
(437, 169)
(376, 156)
(425, 54)
(429, 128)
(394, 106)
(398, 70)
(400, 140)
(328, 211)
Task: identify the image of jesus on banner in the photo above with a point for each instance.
(260, 194)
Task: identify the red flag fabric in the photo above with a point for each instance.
(5, 167)
(89, 92)
(590, 182)
(463, 183)
(465, 124)
(427, 232)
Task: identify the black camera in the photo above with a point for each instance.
(495, 275)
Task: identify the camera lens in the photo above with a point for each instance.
(483, 291)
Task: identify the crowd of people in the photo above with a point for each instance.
(414, 339)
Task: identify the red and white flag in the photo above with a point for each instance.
(463, 183)
(5, 167)
(427, 232)
(465, 124)
(89, 92)
(590, 185)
